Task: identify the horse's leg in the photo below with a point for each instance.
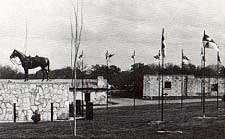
(26, 74)
(46, 74)
(43, 74)
(48, 69)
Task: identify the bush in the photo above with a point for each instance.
(36, 117)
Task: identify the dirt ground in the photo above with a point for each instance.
(127, 123)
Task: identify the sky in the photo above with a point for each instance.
(119, 26)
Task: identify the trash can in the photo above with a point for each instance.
(89, 111)
(78, 107)
(71, 110)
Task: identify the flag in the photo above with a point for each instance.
(81, 55)
(157, 57)
(218, 58)
(209, 42)
(107, 55)
(163, 45)
(185, 59)
(110, 55)
(133, 55)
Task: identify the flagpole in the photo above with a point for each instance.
(204, 83)
(163, 55)
(162, 89)
(71, 53)
(182, 80)
(202, 58)
(107, 97)
(217, 77)
(206, 44)
(74, 100)
(82, 83)
(159, 81)
(134, 82)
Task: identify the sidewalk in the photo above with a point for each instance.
(120, 102)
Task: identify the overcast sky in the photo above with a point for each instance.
(119, 26)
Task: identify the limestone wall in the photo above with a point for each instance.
(151, 86)
(32, 95)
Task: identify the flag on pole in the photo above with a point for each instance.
(110, 55)
(81, 55)
(218, 57)
(185, 59)
(209, 42)
(107, 55)
(157, 57)
(133, 55)
(163, 45)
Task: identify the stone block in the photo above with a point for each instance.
(56, 105)
(1, 111)
(8, 117)
(37, 102)
(26, 101)
(33, 108)
(20, 102)
(63, 116)
(29, 113)
(46, 116)
(9, 105)
(56, 98)
(1, 98)
(9, 111)
(61, 104)
(3, 105)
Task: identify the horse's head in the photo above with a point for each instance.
(14, 54)
(17, 53)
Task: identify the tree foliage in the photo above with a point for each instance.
(130, 80)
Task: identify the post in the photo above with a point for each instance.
(107, 91)
(162, 89)
(52, 112)
(82, 83)
(203, 98)
(202, 58)
(182, 84)
(89, 111)
(134, 88)
(14, 112)
(217, 78)
(71, 51)
(74, 101)
(159, 84)
(182, 89)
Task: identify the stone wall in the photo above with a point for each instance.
(36, 95)
(193, 86)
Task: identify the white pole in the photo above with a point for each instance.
(74, 101)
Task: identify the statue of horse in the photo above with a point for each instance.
(29, 62)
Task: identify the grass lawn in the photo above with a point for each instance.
(127, 123)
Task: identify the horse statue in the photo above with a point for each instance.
(29, 62)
